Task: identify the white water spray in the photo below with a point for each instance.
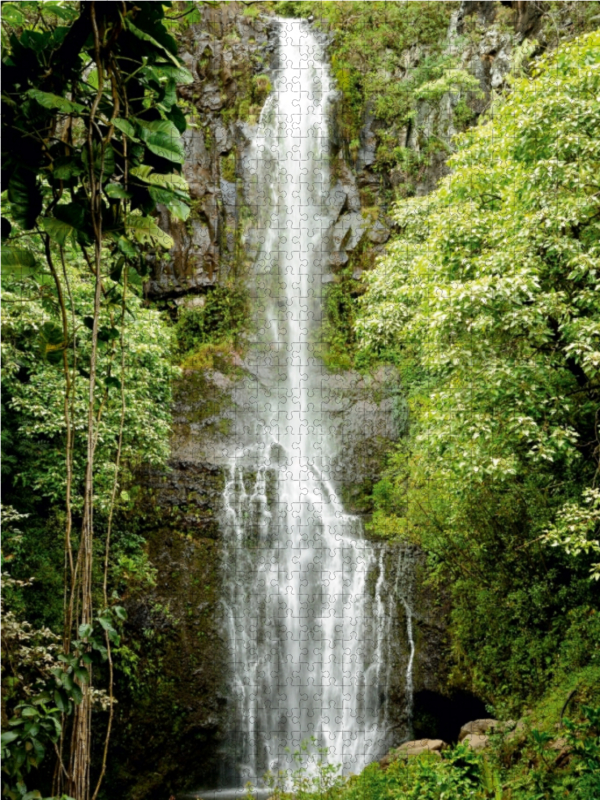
(306, 603)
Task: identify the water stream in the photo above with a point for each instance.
(308, 603)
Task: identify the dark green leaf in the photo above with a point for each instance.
(54, 101)
(125, 127)
(9, 737)
(6, 229)
(178, 119)
(147, 38)
(12, 14)
(34, 795)
(25, 197)
(163, 126)
(177, 73)
(82, 674)
(61, 701)
(171, 200)
(134, 278)
(35, 40)
(85, 630)
(108, 334)
(114, 637)
(17, 263)
(66, 167)
(164, 146)
(147, 231)
(58, 230)
(116, 191)
(126, 247)
(76, 693)
(117, 270)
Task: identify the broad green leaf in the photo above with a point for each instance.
(108, 334)
(35, 40)
(177, 117)
(116, 191)
(82, 674)
(146, 231)
(112, 383)
(172, 180)
(18, 263)
(9, 737)
(175, 204)
(106, 623)
(134, 278)
(162, 138)
(57, 229)
(12, 14)
(177, 73)
(120, 612)
(61, 701)
(51, 342)
(54, 101)
(85, 630)
(63, 11)
(126, 247)
(114, 636)
(157, 126)
(76, 693)
(125, 127)
(65, 168)
(147, 38)
(25, 197)
(40, 751)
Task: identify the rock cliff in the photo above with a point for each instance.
(182, 710)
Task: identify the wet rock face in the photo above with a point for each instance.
(227, 53)
(167, 735)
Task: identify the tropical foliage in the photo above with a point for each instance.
(91, 138)
(488, 302)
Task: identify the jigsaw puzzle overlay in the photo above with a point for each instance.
(307, 600)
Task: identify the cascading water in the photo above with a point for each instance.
(308, 605)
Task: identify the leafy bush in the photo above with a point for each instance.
(222, 318)
(490, 302)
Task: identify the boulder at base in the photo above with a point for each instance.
(476, 740)
(414, 748)
(477, 727)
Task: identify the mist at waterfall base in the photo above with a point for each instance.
(308, 603)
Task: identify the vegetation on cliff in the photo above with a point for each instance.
(488, 303)
(91, 143)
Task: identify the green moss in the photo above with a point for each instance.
(228, 167)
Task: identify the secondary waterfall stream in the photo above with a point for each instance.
(308, 604)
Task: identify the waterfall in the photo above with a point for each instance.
(306, 603)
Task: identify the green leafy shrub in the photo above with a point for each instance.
(222, 318)
(489, 303)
